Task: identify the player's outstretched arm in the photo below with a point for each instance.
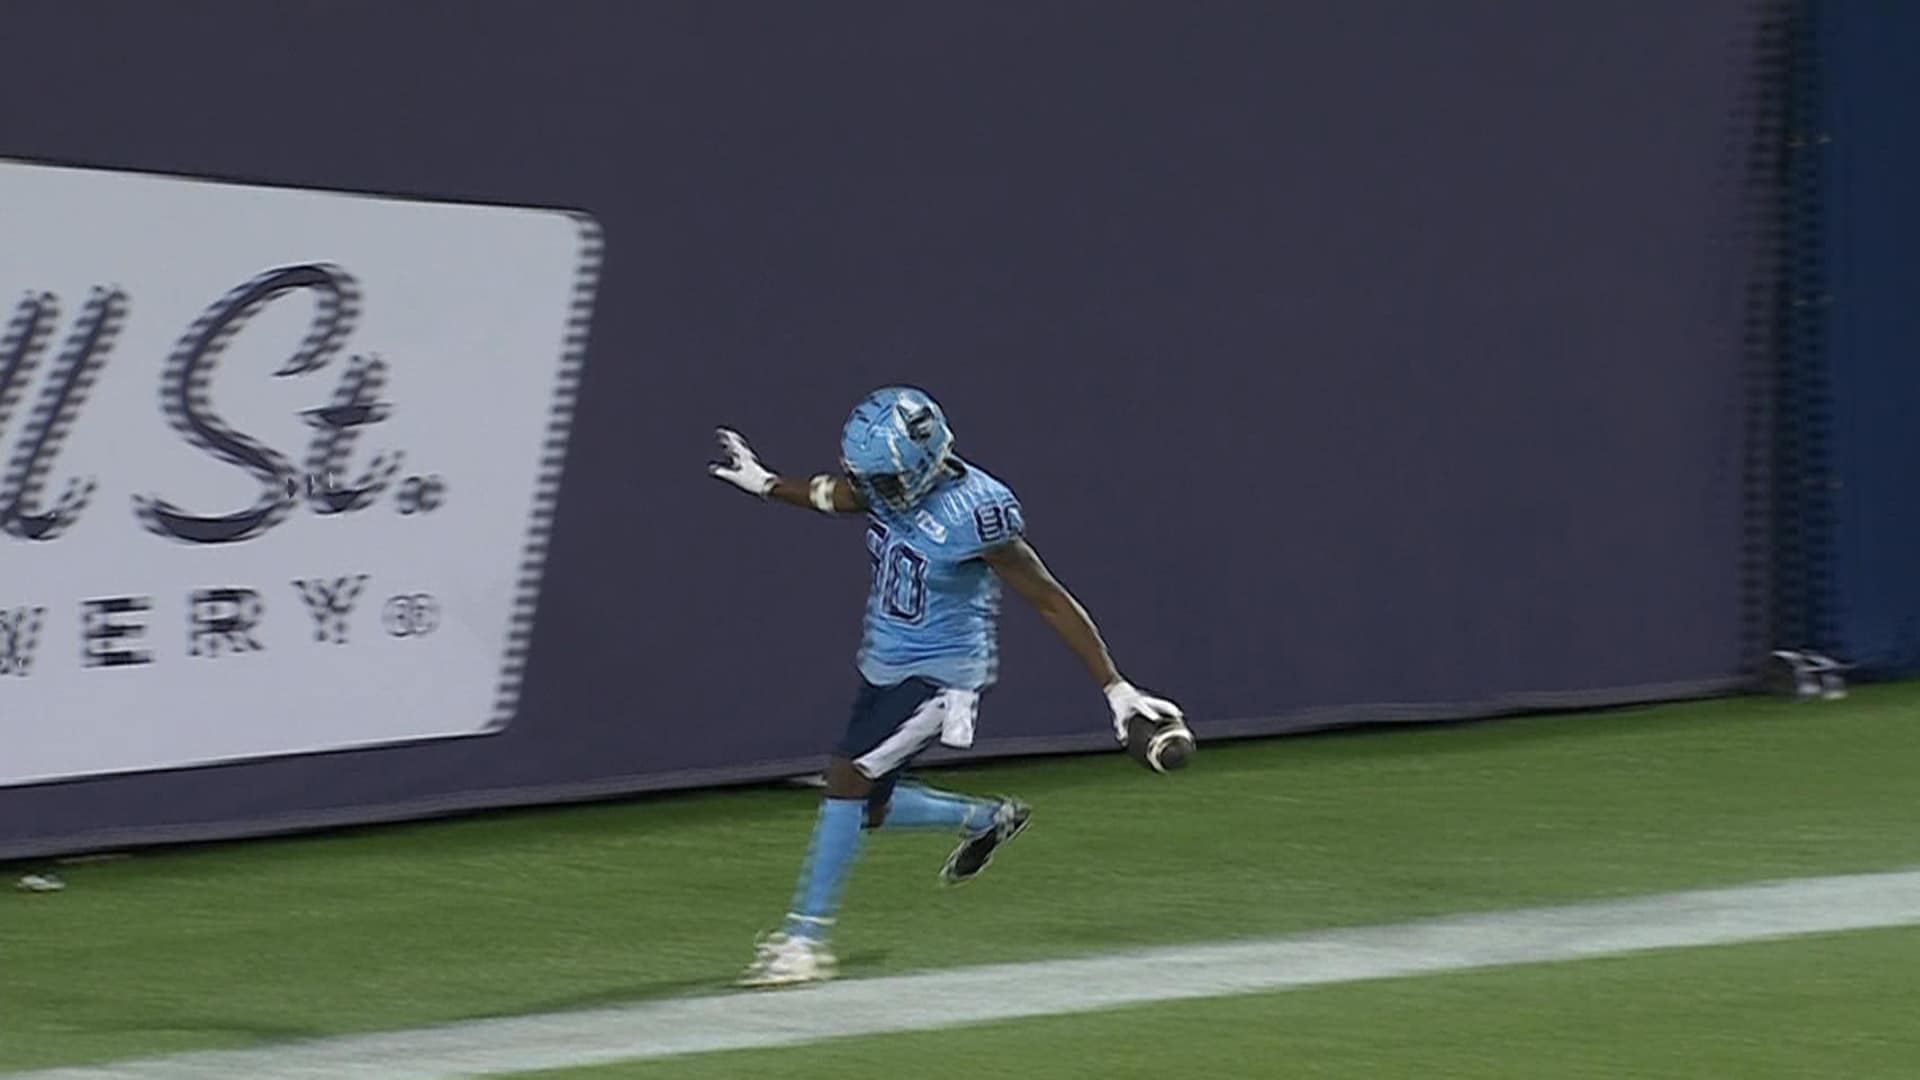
(738, 466)
(1020, 567)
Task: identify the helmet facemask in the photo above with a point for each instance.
(893, 490)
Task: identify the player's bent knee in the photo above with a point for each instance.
(844, 780)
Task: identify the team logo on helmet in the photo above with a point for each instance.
(918, 422)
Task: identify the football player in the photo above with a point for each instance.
(942, 535)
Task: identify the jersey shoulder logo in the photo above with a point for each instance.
(931, 526)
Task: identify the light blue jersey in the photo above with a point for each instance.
(934, 607)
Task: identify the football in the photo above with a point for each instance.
(1160, 745)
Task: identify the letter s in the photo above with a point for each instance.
(185, 397)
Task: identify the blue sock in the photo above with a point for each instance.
(916, 807)
(830, 854)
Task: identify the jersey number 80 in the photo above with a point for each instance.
(900, 573)
(995, 523)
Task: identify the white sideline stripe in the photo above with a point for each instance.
(970, 995)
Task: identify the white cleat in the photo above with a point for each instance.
(780, 960)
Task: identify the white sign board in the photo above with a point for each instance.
(276, 465)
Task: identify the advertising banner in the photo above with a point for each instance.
(278, 465)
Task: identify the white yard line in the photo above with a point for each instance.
(971, 995)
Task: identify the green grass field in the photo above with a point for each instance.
(249, 944)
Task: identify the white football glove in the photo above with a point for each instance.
(1128, 702)
(740, 468)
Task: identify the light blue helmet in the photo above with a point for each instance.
(895, 445)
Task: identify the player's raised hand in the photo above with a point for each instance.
(1127, 702)
(739, 467)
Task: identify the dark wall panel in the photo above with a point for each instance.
(1870, 169)
(1354, 360)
